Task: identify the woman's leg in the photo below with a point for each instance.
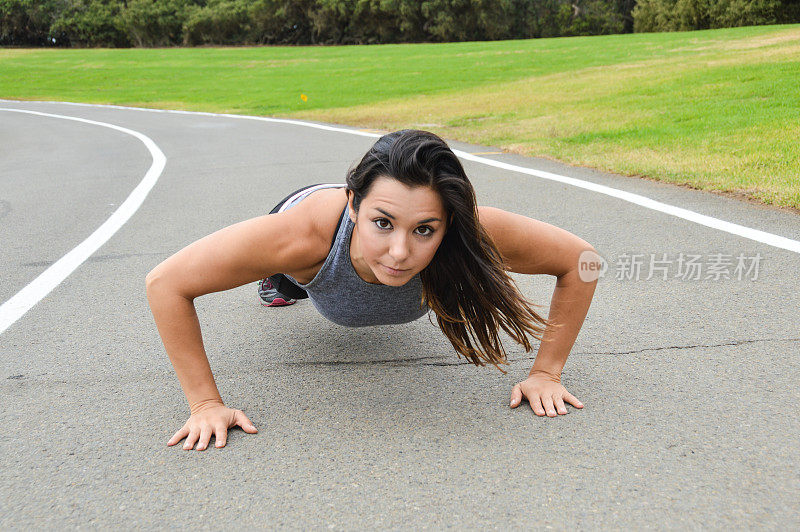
(270, 296)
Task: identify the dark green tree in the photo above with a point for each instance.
(27, 22)
(219, 22)
(687, 15)
(156, 22)
(90, 23)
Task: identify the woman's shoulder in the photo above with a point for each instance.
(319, 212)
(324, 208)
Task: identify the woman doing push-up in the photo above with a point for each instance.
(407, 238)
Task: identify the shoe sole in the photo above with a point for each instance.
(278, 302)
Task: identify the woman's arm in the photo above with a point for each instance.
(568, 308)
(176, 319)
(231, 257)
(534, 247)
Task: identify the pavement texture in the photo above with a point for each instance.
(690, 386)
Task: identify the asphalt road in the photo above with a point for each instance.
(690, 386)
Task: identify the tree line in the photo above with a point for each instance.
(160, 23)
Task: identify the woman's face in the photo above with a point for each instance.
(397, 228)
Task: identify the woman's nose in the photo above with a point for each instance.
(398, 249)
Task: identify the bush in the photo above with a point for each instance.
(281, 21)
(556, 18)
(593, 17)
(90, 23)
(27, 22)
(219, 22)
(687, 15)
(156, 22)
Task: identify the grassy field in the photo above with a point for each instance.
(716, 110)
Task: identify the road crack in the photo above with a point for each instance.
(419, 361)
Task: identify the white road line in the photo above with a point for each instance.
(709, 221)
(36, 290)
(764, 237)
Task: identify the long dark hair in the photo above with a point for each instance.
(466, 283)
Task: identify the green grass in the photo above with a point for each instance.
(716, 110)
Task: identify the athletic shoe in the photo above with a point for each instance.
(270, 297)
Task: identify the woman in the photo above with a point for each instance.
(402, 237)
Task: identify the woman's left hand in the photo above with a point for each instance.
(544, 392)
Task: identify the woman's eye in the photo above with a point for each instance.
(427, 231)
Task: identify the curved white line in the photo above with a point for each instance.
(36, 290)
(709, 221)
(764, 237)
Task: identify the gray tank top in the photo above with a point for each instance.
(344, 298)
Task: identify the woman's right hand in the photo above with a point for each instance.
(214, 418)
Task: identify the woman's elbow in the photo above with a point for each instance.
(155, 277)
(590, 264)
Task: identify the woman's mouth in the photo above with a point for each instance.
(392, 271)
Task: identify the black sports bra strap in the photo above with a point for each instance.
(338, 225)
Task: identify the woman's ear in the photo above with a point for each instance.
(350, 210)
